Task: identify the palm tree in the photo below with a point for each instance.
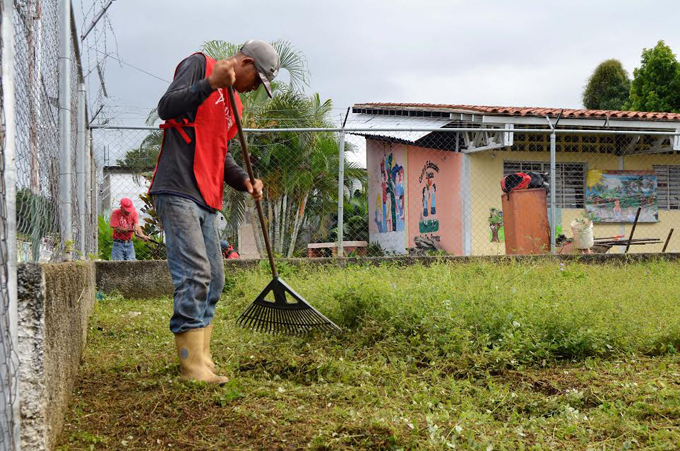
(299, 169)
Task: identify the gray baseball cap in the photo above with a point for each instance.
(266, 61)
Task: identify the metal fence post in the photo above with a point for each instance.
(10, 357)
(93, 190)
(622, 227)
(81, 160)
(341, 191)
(553, 189)
(88, 193)
(65, 202)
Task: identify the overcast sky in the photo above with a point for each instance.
(500, 52)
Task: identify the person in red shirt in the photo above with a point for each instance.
(125, 223)
(193, 166)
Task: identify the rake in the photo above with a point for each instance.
(287, 313)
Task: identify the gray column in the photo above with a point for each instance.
(341, 191)
(65, 201)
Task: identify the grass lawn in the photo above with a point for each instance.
(477, 356)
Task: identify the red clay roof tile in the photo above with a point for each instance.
(528, 111)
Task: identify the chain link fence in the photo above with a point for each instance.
(45, 166)
(9, 370)
(9, 362)
(432, 185)
(45, 233)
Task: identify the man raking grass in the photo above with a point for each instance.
(187, 187)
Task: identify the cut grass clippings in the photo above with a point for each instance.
(477, 356)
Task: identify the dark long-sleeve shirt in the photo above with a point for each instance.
(175, 171)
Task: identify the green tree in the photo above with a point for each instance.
(656, 83)
(608, 87)
(299, 169)
(355, 222)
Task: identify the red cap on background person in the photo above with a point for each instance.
(126, 204)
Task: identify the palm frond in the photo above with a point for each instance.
(152, 117)
(294, 62)
(220, 50)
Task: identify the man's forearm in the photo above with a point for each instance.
(234, 175)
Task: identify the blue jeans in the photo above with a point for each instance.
(123, 251)
(194, 260)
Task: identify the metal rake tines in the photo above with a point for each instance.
(267, 317)
(283, 317)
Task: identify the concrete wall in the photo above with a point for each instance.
(141, 279)
(55, 303)
(144, 279)
(434, 189)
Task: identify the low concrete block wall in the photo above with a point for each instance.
(55, 302)
(151, 278)
(144, 279)
(141, 279)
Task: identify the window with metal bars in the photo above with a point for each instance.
(667, 186)
(570, 179)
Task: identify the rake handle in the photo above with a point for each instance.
(249, 168)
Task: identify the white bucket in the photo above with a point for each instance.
(582, 229)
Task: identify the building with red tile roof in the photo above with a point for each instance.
(434, 169)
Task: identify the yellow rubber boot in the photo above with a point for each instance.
(207, 355)
(192, 364)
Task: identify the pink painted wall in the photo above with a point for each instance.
(434, 197)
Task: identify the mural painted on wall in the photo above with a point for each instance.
(390, 204)
(388, 200)
(614, 196)
(434, 190)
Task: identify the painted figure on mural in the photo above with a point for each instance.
(378, 219)
(425, 209)
(428, 221)
(393, 197)
(401, 200)
(384, 198)
(433, 191)
(389, 174)
(495, 224)
(617, 210)
(390, 210)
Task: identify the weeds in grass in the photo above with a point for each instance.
(448, 356)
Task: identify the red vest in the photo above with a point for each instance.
(214, 127)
